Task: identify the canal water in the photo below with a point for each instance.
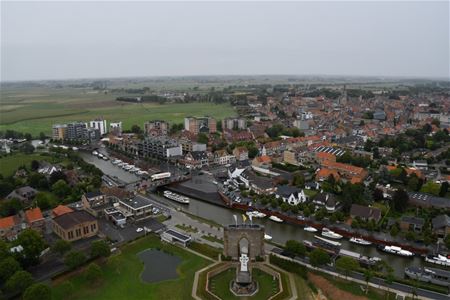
(279, 232)
(282, 232)
(108, 168)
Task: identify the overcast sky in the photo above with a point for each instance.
(49, 40)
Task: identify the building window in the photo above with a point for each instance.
(70, 235)
(78, 232)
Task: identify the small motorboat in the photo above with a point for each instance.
(396, 250)
(360, 241)
(310, 229)
(330, 234)
(267, 237)
(275, 219)
(438, 260)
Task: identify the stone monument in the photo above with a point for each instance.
(244, 243)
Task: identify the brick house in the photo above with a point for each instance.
(241, 153)
(441, 225)
(408, 223)
(365, 213)
(35, 220)
(75, 225)
(10, 227)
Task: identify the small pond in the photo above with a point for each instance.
(158, 265)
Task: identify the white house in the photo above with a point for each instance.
(291, 195)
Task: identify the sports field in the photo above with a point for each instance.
(121, 277)
(34, 110)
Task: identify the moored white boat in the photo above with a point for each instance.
(267, 237)
(275, 219)
(255, 214)
(438, 260)
(360, 241)
(310, 229)
(175, 197)
(337, 244)
(331, 234)
(396, 250)
(94, 153)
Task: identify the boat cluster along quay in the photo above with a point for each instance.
(390, 247)
(334, 248)
(100, 155)
(128, 167)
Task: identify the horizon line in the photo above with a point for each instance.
(407, 77)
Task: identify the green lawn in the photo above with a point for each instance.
(121, 277)
(35, 110)
(220, 284)
(205, 249)
(212, 239)
(303, 290)
(186, 228)
(10, 163)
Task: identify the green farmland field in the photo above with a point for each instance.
(34, 110)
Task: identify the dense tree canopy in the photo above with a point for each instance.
(33, 244)
(38, 291)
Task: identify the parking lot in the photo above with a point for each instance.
(129, 232)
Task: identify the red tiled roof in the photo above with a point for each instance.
(33, 215)
(325, 155)
(343, 167)
(8, 222)
(324, 173)
(61, 209)
(264, 159)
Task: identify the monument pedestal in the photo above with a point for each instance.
(243, 285)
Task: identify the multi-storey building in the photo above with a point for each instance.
(234, 123)
(75, 131)
(99, 124)
(189, 146)
(156, 128)
(160, 147)
(59, 131)
(200, 125)
(94, 203)
(115, 128)
(91, 134)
